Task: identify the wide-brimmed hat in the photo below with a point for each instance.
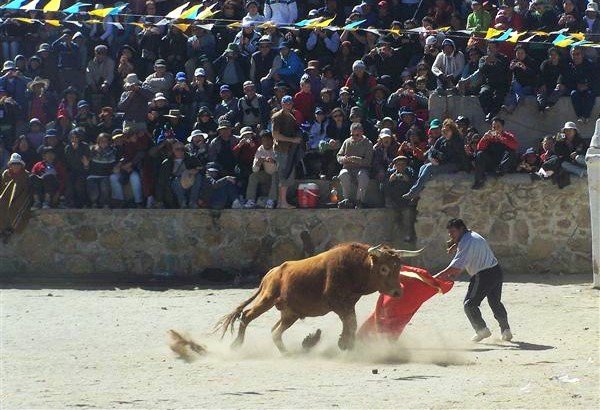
(246, 131)
(16, 159)
(399, 158)
(232, 48)
(38, 81)
(197, 133)
(44, 47)
(312, 65)
(265, 39)
(131, 79)
(9, 65)
(160, 97)
(224, 125)
(174, 114)
(116, 134)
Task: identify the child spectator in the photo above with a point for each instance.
(530, 162)
(48, 181)
(304, 100)
(36, 133)
(102, 160)
(264, 174)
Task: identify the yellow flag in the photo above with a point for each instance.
(25, 20)
(53, 5)
(175, 14)
(53, 23)
(137, 24)
(492, 32)
(183, 27)
(541, 33)
(578, 36)
(189, 12)
(207, 13)
(236, 24)
(101, 12)
(322, 24)
(514, 37)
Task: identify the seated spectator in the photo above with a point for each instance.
(361, 83)
(253, 14)
(281, 12)
(197, 146)
(291, 68)
(414, 148)
(179, 177)
(253, 108)
(448, 67)
(77, 155)
(28, 154)
(15, 197)
(231, 68)
(106, 121)
(218, 192)
(160, 81)
(244, 152)
(317, 137)
(447, 155)
(41, 103)
(345, 101)
(570, 19)
(494, 74)
(577, 80)
(227, 109)
(524, 78)
(322, 44)
(263, 65)
(247, 38)
(86, 121)
(384, 151)
(530, 162)
(470, 84)
(479, 19)
(378, 107)
(357, 115)
(206, 123)
(408, 119)
(131, 152)
(548, 91)
(399, 179)
(355, 156)
(100, 166)
(338, 128)
(134, 101)
(221, 150)
(173, 128)
(591, 22)
(264, 174)
(571, 150)
(203, 91)
(496, 152)
(48, 180)
(550, 163)
(182, 95)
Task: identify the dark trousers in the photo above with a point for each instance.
(487, 161)
(76, 192)
(487, 283)
(491, 99)
(583, 102)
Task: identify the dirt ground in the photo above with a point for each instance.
(109, 348)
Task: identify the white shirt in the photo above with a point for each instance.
(473, 254)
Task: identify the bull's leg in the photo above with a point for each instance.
(260, 307)
(348, 318)
(287, 320)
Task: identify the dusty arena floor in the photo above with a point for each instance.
(109, 348)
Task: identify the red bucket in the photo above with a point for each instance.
(308, 195)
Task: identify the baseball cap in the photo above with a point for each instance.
(224, 88)
(180, 76)
(200, 72)
(287, 99)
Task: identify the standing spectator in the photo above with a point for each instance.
(15, 197)
(496, 152)
(399, 178)
(281, 12)
(264, 174)
(263, 65)
(448, 66)
(77, 160)
(355, 156)
(68, 60)
(15, 86)
(286, 143)
(447, 155)
(231, 68)
(99, 75)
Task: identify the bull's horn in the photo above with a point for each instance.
(375, 250)
(407, 254)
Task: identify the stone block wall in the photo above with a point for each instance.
(533, 227)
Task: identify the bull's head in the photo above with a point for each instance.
(386, 267)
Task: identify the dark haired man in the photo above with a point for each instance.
(474, 255)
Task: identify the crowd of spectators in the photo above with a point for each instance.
(221, 115)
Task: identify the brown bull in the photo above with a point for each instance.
(332, 281)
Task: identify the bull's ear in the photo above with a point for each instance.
(384, 270)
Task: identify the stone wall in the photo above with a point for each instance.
(531, 226)
(528, 124)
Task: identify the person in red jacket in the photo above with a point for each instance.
(496, 152)
(48, 180)
(304, 100)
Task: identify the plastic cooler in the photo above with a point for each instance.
(308, 195)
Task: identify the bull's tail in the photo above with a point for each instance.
(228, 321)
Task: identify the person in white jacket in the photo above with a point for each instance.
(448, 66)
(281, 11)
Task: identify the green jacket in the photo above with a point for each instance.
(479, 21)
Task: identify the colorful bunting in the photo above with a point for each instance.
(515, 37)
(504, 36)
(563, 41)
(176, 13)
(13, 5)
(353, 25)
(492, 32)
(75, 8)
(191, 13)
(321, 24)
(207, 13)
(305, 23)
(30, 6)
(53, 5)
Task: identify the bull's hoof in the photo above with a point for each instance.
(237, 343)
(345, 343)
(311, 340)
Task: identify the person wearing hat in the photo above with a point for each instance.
(179, 179)
(281, 12)
(15, 197)
(221, 149)
(378, 108)
(571, 150)
(206, 123)
(48, 180)
(448, 67)
(292, 67)
(386, 59)
(231, 68)
(253, 15)
(15, 86)
(361, 83)
(40, 101)
(313, 73)
(408, 119)
(591, 22)
(263, 65)
(197, 145)
(68, 61)
(77, 159)
(200, 45)
(182, 94)
(247, 38)
(314, 159)
(86, 120)
(203, 90)
(228, 107)
(253, 108)
(99, 74)
(173, 47)
(356, 157)
(134, 101)
(173, 128)
(244, 152)
(322, 45)
(161, 80)
(478, 20)
(399, 178)
(384, 151)
(530, 162)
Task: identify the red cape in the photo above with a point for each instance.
(393, 314)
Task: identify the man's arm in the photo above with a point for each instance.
(449, 273)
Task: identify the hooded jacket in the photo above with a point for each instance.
(451, 65)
